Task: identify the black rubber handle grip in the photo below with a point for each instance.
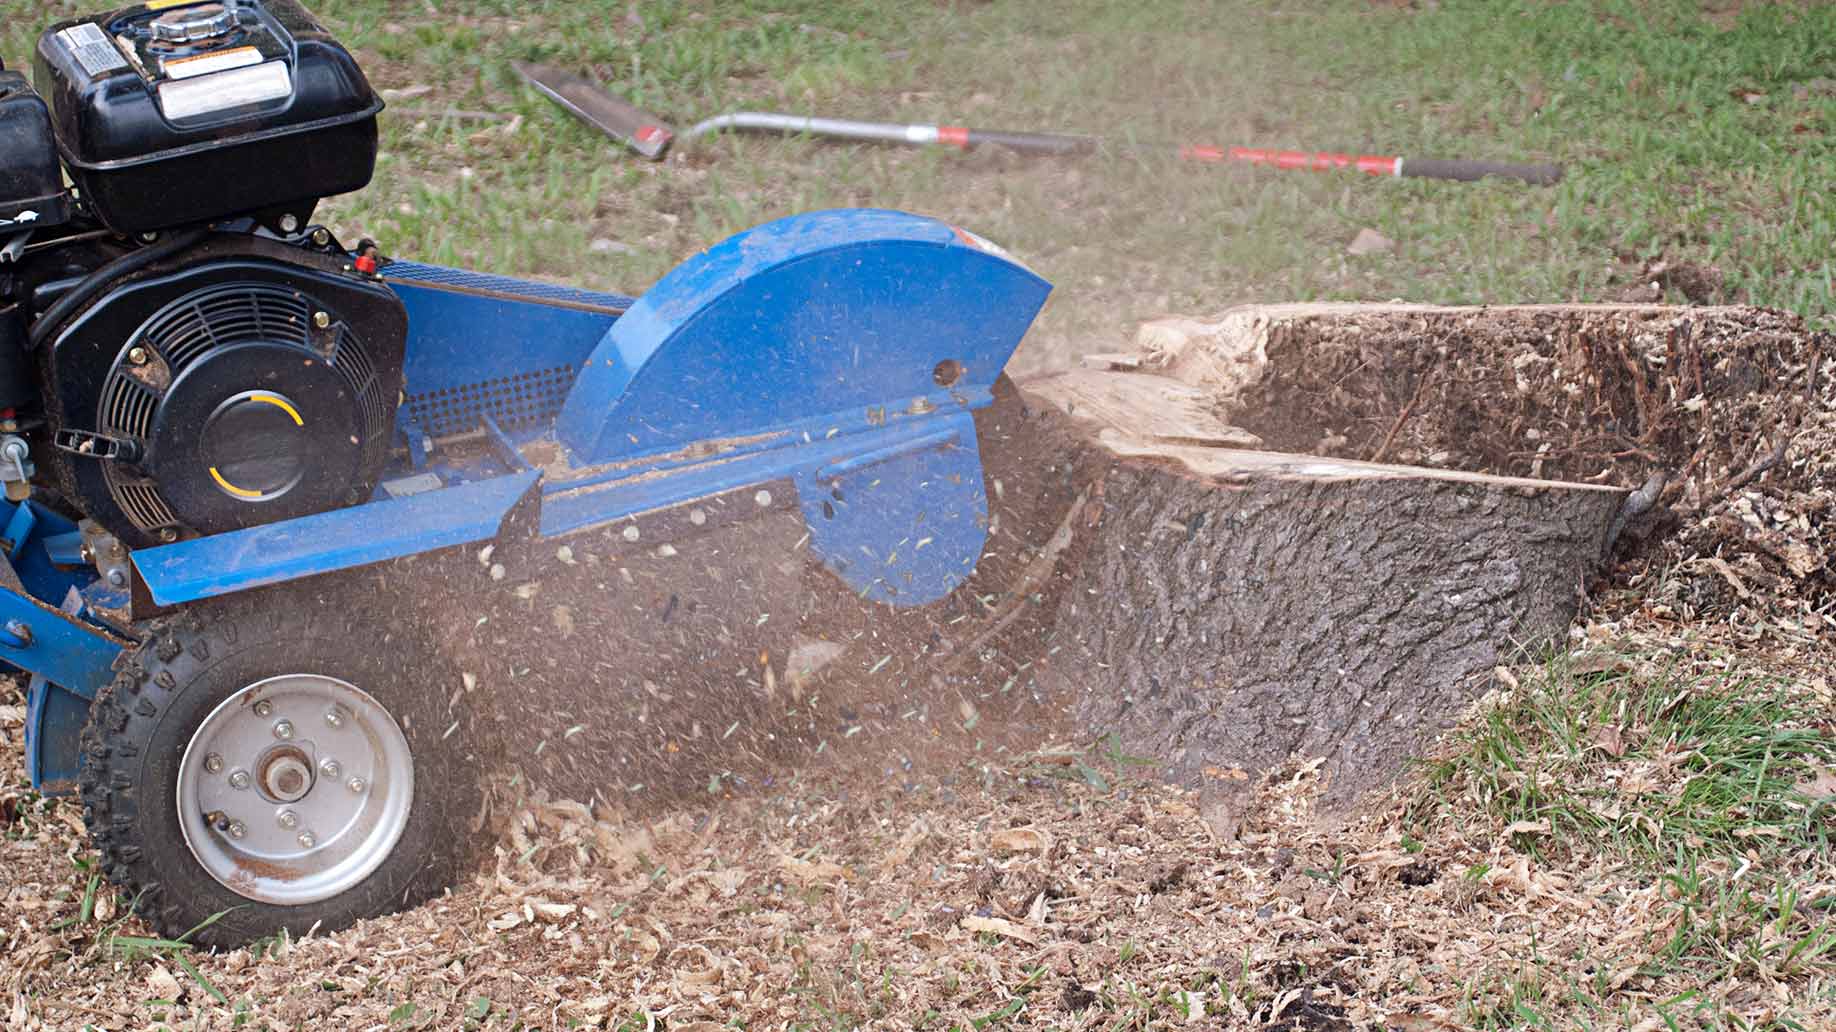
(1472, 171)
(1038, 143)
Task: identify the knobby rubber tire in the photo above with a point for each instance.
(141, 723)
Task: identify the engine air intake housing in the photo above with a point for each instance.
(173, 114)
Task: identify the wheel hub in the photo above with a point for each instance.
(295, 788)
(286, 773)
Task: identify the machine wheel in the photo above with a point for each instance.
(284, 759)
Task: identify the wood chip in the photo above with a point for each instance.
(1010, 841)
(1000, 926)
(811, 872)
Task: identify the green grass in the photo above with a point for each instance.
(1699, 140)
(1699, 785)
(1648, 768)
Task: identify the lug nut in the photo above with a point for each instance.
(264, 708)
(289, 819)
(330, 769)
(137, 355)
(321, 319)
(283, 729)
(355, 784)
(213, 763)
(333, 719)
(239, 779)
(308, 840)
(237, 829)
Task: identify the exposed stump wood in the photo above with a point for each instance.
(1235, 608)
(1151, 407)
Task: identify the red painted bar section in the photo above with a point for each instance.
(1289, 159)
(955, 135)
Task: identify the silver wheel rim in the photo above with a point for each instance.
(295, 789)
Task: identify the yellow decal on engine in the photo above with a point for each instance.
(231, 488)
(160, 5)
(282, 404)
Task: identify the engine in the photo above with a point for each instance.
(181, 352)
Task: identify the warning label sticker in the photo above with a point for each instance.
(204, 64)
(223, 91)
(92, 49)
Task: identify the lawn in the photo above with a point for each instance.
(1685, 140)
(1695, 136)
(1691, 133)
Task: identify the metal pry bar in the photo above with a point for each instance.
(589, 102)
(887, 132)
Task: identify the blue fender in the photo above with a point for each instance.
(844, 350)
(827, 320)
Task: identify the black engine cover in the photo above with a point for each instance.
(245, 390)
(264, 111)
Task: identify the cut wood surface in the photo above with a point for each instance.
(1148, 406)
(1727, 412)
(1234, 608)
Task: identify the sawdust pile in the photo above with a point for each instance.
(1727, 414)
(1045, 889)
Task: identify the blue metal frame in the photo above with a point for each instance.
(837, 354)
(49, 630)
(223, 564)
(507, 348)
(46, 626)
(805, 350)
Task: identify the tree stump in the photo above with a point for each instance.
(1235, 608)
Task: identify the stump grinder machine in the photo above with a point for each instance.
(218, 422)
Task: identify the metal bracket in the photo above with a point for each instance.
(91, 445)
(19, 527)
(417, 441)
(506, 449)
(51, 643)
